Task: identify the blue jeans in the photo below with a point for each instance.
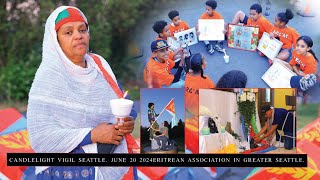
(288, 141)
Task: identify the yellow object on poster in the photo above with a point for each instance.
(269, 47)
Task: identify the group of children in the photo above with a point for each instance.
(157, 73)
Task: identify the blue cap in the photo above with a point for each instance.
(158, 44)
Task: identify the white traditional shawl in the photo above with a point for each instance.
(67, 101)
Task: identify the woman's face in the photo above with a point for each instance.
(74, 38)
(302, 47)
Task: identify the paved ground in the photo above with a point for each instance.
(248, 62)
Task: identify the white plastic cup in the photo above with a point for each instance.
(121, 108)
(226, 58)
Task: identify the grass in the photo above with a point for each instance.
(306, 114)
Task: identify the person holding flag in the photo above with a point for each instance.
(154, 126)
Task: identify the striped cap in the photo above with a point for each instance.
(69, 15)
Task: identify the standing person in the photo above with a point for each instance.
(276, 118)
(176, 25)
(286, 34)
(163, 138)
(68, 108)
(256, 19)
(152, 117)
(211, 13)
(195, 80)
(156, 72)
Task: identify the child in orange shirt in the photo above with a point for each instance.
(177, 24)
(287, 35)
(156, 72)
(256, 19)
(194, 81)
(161, 28)
(211, 13)
(303, 61)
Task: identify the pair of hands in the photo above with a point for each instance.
(112, 133)
(258, 139)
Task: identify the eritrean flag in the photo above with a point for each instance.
(172, 110)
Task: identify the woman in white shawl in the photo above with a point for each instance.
(68, 110)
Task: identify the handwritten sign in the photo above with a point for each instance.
(269, 47)
(211, 29)
(278, 76)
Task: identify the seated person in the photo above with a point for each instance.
(163, 137)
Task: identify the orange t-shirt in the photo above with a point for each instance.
(157, 74)
(306, 64)
(216, 15)
(174, 29)
(262, 23)
(192, 85)
(288, 36)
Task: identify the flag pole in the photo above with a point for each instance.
(159, 115)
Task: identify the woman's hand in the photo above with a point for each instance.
(126, 127)
(106, 133)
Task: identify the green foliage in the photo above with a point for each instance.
(247, 109)
(16, 78)
(306, 114)
(111, 23)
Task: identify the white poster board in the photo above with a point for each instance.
(278, 76)
(174, 44)
(187, 37)
(211, 29)
(269, 47)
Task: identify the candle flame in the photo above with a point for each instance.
(125, 94)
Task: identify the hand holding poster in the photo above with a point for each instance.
(187, 37)
(211, 29)
(278, 76)
(243, 37)
(269, 47)
(174, 44)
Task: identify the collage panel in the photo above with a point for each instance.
(162, 121)
(247, 121)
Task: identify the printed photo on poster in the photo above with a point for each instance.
(243, 37)
(187, 37)
(233, 121)
(278, 75)
(162, 121)
(269, 47)
(211, 30)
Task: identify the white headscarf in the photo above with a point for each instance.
(67, 101)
